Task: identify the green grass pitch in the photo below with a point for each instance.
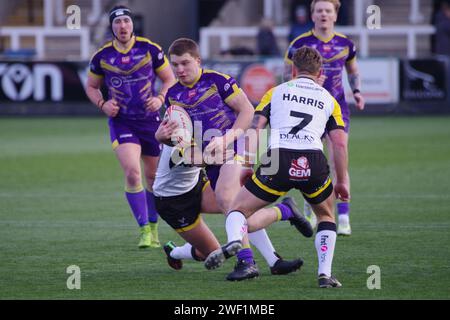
(62, 204)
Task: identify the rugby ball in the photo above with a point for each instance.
(182, 136)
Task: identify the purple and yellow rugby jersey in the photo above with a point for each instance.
(335, 51)
(130, 75)
(206, 100)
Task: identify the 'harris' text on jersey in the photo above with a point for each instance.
(303, 100)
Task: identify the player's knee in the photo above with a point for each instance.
(224, 201)
(133, 177)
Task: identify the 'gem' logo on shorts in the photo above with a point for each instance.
(300, 169)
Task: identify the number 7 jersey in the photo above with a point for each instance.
(299, 112)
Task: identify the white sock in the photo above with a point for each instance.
(344, 219)
(183, 252)
(236, 226)
(261, 241)
(325, 242)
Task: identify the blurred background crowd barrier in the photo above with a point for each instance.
(44, 54)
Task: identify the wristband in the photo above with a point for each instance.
(102, 104)
(356, 91)
(99, 101)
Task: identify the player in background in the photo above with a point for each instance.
(298, 111)
(337, 52)
(181, 192)
(129, 66)
(215, 101)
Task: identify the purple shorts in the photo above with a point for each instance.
(213, 174)
(213, 171)
(141, 132)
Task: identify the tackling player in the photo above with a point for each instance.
(298, 111)
(129, 66)
(337, 52)
(181, 193)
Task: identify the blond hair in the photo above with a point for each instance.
(336, 4)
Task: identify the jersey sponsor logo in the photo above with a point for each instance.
(298, 137)
(126, 60)
(327, 48)
(116, 82)
(300, 169)
(299, 99)
(192, 93)
(338, 48)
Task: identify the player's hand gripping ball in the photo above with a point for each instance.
(182, 136)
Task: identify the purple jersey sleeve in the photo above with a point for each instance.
(94, 65)
(297, 43)
(352, 50)
(158, 57)
(291, 50)
(226, 85)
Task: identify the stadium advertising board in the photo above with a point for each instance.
(384, 80)
(380, 78)
(424, 80)
(379, 81)
(254, 77)
(42, 81)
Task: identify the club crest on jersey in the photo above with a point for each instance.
(300, 169)
(126, 60)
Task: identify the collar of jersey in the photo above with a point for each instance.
(324, 40)
(305, 77)
(195, 81)
(126, 50)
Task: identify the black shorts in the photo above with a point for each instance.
(182, 212)
(305, 170)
